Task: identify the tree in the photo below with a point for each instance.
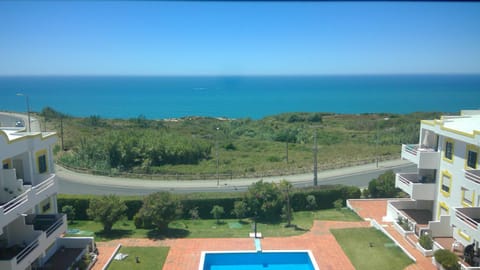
(286, 187)
(338, 204)
(240, 209)
(69, 210)
(159, 209)
(311, 202)
(383, 186)
(217, 212)
(264, 200)
(107, 209)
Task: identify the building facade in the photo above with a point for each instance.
(445, 190)
(30, 224)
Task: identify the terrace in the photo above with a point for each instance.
(467, 220)
(473, 177)
(424, 157)
(32, 195)
(46, 230)
(417, 186)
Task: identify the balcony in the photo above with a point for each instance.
(21, 256)
(473, 176)
(466, 220)
(425, 158)
(418, 187)
(32, 196)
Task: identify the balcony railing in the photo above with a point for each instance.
(28, 199)
(472, 222)
(424, 157)
(473, 175)
(47, 223)
(27, 250)
(418, 187)
(9, 206)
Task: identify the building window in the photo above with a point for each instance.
(448, 154)
(442, 209)
(7, 164)
(446, 183)
(468, 197)
(472, 157)
(42, 161)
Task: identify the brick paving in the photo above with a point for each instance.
(377, 209)
(185, 253)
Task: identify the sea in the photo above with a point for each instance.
(161, 97)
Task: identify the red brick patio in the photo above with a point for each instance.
(185, 253)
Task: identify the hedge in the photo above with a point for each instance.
(324, 196)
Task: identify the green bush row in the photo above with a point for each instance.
(325, 196)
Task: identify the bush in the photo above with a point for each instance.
(311, 202)
(69, 211)
(338, 204)
(107, 209)
(158, 210)
(426, 241)
(447, 259)
(217, 212)
(240, 209)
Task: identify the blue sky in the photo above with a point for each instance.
(243, 38)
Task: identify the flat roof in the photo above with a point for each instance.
(14, 133)
(466, 124)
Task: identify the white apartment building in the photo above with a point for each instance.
(445, 191)
(30, 224)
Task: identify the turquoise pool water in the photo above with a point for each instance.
(270, 260)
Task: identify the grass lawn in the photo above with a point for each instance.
(208, 228)
(383, 254)
(149, 257)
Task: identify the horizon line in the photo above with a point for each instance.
(241, 75)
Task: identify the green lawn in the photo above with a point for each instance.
(149, 257)
(208, 228)
(381, 254)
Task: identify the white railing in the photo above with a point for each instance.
(411, 149)
(50, 181)
(27, 250)
(466, 219)
(473, 175)
(12, 204)
(404, 180)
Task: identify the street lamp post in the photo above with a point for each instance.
(28, 108)
(376, 141)
(216, 150)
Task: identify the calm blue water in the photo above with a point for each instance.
(239, 97)
(258, 261)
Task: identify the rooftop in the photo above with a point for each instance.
(468, 122)
(14, 133)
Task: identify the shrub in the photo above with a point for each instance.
(426, 241)
(69, 211)
(194, 213)
(159, 209)
(107, 209)
(217, 212)
(338, 204)
(403, 222)
(447, 259)
(311, 202)
(240, 209)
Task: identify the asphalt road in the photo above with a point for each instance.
(74, 183)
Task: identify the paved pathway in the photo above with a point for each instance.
(185, 253)
(377, 209)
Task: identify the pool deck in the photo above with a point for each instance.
(185, 253)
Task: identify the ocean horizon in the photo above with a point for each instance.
(160, 97)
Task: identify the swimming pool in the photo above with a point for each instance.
(251, 260)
